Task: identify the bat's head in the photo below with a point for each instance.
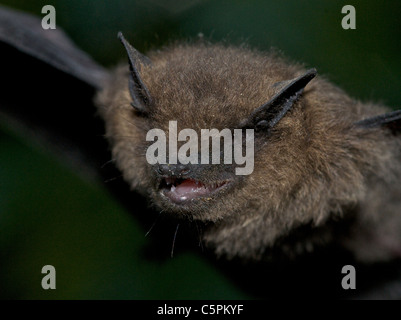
(242, 139)
(200, 128)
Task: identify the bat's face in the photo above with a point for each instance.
(305, 157)
(208, 87)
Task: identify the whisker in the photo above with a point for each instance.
(131, 123)
(118, 136)
(112, 179)
(175, 235)
(200, 238)
(154, 223)
(140, 125)
(106, 163)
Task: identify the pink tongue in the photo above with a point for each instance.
(188, 187)
(188, 190)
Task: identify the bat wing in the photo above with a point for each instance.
(25, 32)
(47, 91)
(391, 121)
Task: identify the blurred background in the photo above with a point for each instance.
(52, 213)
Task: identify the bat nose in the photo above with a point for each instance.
(173, 169)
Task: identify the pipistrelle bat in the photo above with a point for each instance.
(326, 167)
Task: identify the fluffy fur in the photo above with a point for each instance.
(317, 179)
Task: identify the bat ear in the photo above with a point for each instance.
(269, 114)
(139, 93)
(391, 121)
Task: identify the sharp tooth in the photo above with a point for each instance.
(173, 188)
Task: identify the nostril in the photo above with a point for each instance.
(172, 170)
(185, 171)
(163, 169)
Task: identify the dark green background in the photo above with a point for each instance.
(51, 215)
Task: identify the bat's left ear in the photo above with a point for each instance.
(139, 93)
(269, 114)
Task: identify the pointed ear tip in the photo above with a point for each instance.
(120, 36)
(312, 72)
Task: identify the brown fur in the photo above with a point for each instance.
(315, 168)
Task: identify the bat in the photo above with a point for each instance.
(327, 168)
(319, 154)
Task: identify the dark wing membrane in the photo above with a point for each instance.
(47, 89)
(25, 32)
(391, 120)
(53, 108)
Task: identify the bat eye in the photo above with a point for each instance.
(263, 124)
(278, 84)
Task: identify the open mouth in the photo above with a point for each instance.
(182, 190)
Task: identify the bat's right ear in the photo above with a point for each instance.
(139, 93)
(390, 121)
